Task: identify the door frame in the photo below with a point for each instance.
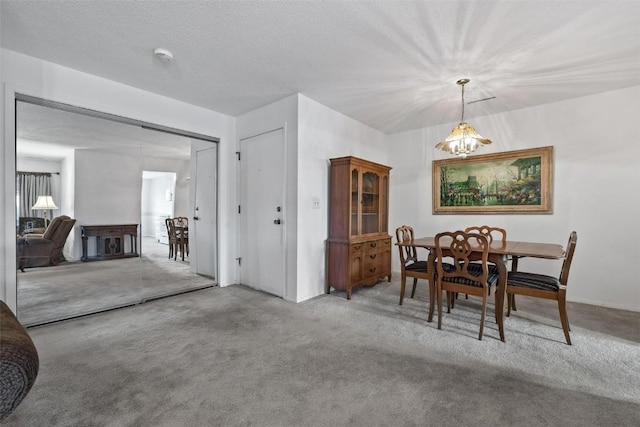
(285, 294)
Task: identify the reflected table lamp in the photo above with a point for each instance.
(46, 204)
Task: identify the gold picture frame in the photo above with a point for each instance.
(512, 182)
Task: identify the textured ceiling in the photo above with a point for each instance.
(49, 133)
(389, 64)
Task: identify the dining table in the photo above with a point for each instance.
(499, 254)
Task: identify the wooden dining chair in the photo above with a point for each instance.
(491, 233)
(182, 229)
(410, 266)
(460, 276)
(172, 237)
(543, 286)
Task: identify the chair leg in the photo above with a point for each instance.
(513, 302)
(432, 297)
(403, 280)
(509, 296)
(413, 291)
(562, 307)
(439, 297)
(482, 315)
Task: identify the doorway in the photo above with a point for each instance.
(102, 163)
(158, 204)
(263, 212)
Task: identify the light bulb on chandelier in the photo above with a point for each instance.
(463, 138)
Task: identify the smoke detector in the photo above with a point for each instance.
(163, 55)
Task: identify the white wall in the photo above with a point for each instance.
(313, 134)
(108, 189)
(595, 193)
(31, 76)
(280, 114)
(324, 134)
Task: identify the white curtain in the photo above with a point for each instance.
(30, 185)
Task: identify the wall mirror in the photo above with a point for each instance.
(107, 175)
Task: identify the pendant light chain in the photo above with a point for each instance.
(462, 116)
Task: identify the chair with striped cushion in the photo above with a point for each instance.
(543, 286)
(409, 264)
(459, 276)
(491, 233)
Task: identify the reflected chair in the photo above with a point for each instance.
(182, 229)
(460, 276)
(172, 237)
(177, 240)
(543, 286)
(409, 264)
(40, 250)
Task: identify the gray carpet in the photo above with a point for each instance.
(237, 357)
(76, 288)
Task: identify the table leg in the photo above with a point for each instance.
(84, 248)
(500, 293)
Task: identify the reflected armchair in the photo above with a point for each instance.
(39, 250)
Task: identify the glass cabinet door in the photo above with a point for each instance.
(384, 204)
(370, 203)
(354, 202)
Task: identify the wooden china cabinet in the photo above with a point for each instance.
(359, 244)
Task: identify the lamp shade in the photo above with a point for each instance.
(463, 140)
(44, 203)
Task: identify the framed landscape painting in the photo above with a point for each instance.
(513, 182)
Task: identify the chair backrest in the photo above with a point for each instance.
(463, 248)
(50, 232)
(62, 232)
(491, 233)
(171, 228)
(181, 221)
(407, 253)
(568, 257)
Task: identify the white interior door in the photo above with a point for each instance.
(204, 234)
(262, 212)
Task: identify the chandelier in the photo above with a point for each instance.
(463, 138)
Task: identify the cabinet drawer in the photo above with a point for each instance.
(373, 245)
(112, 232)
(355, 249)
(372, 263)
